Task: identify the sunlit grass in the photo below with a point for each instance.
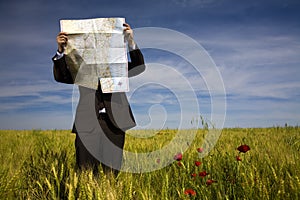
(39, 164)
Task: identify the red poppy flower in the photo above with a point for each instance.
(178, 157)
(200, 150)
(193, 175)
(243, 148)
(210, 181)
(203, 174)
(190, 192)
(197, 163)
(238, 158)
(179, 164)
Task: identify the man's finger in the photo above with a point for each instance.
(127, 26)
(63, 37)
(62, 33)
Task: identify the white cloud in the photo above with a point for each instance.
(40, 120)
(257, 62)
(41, 94)
(32, 89)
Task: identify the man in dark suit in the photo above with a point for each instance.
(101, 118)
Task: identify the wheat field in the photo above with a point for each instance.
(40, 164)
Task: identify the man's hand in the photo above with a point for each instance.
(62, 41)
(128, 32)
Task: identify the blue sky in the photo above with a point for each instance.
(255, 46)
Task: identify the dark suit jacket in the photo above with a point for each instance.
(91, 101)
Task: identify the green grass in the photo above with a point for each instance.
(41, 165)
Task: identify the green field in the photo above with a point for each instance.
(39, 164)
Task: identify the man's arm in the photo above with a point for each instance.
(137, 64)
(60, 70)
(63, 75)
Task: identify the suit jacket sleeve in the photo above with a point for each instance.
(137, 64)
(61, 72)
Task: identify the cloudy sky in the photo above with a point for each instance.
(254, 46)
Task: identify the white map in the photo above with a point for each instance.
(96, 52)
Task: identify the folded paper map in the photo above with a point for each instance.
(96, 53)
